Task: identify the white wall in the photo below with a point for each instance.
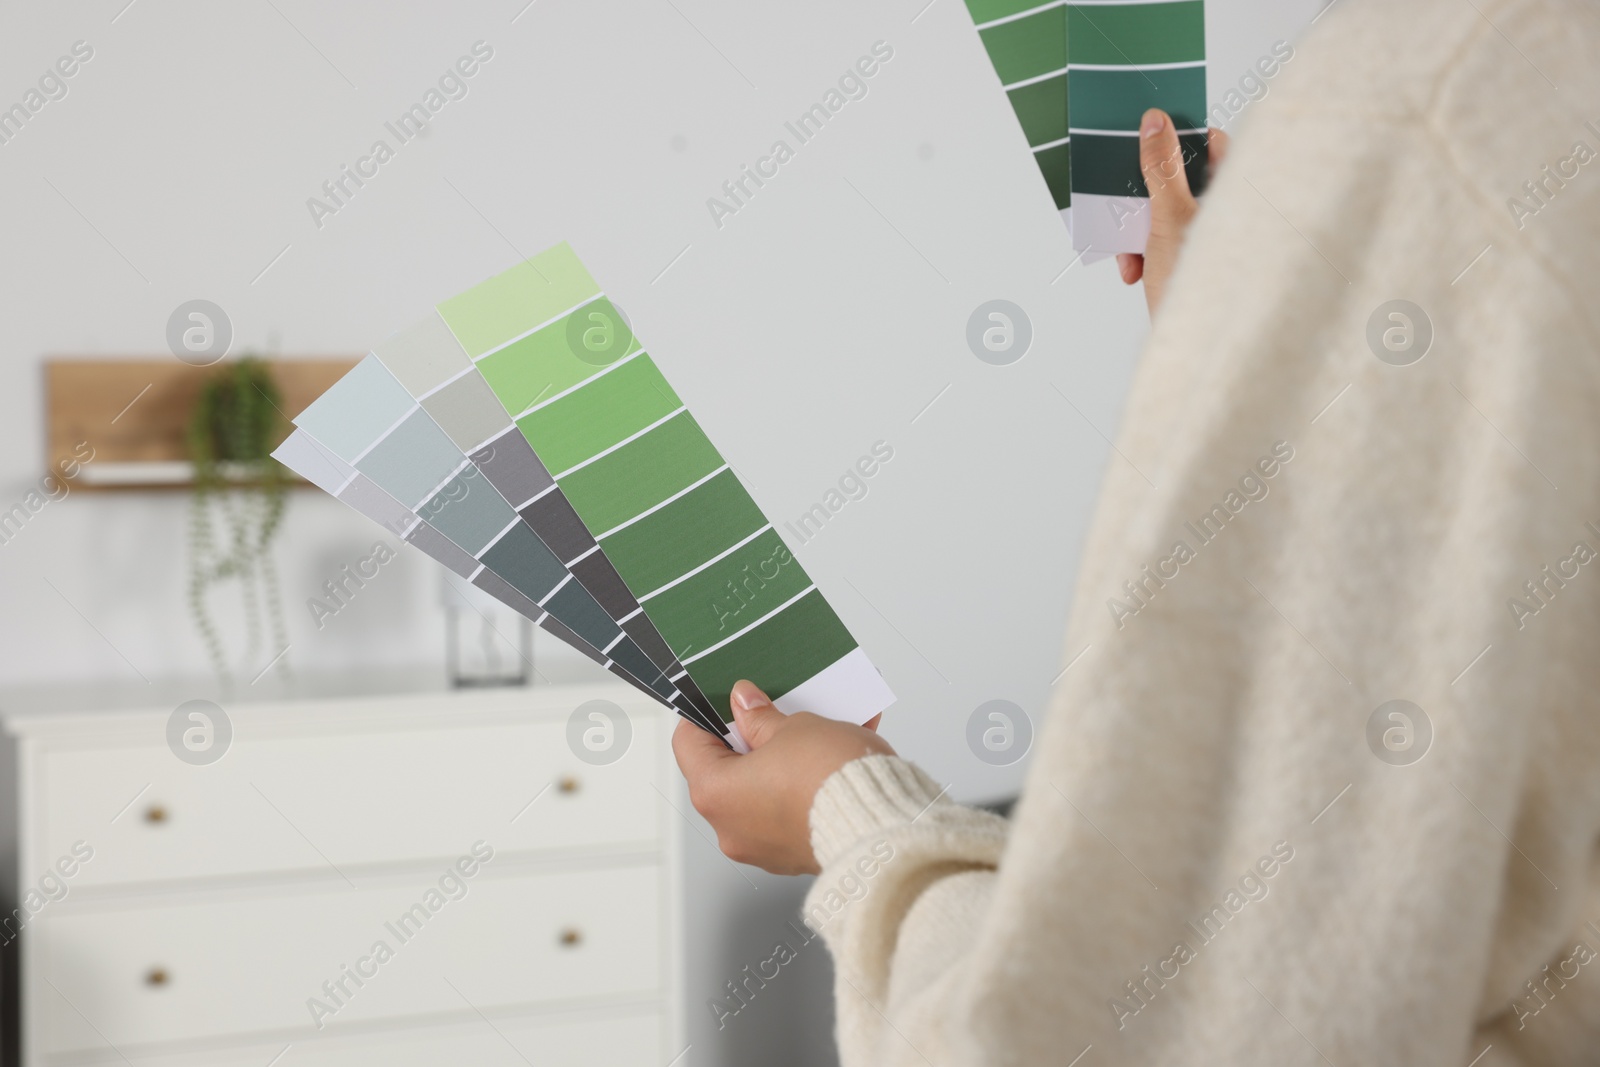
(803, 330)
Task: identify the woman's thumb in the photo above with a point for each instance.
(754, 714)
(1161, 161)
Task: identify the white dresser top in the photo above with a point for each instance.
(44, 710)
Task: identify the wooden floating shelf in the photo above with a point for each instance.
(135, 412)
(158, 474)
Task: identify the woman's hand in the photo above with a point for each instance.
(1172, 205)
(760, 803)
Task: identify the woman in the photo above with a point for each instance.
(1323, 789)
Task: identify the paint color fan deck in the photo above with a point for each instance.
(1079, 74)
(523, 437)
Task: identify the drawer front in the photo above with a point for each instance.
(255, 966)
(630, 1041)
(320, 803)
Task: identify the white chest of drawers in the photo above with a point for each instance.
(417, 879)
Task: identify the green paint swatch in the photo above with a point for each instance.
(1027, 47)
(630, 480)
(1129, 34)
(611, 407)
(1041, 108)
(1118, 99)
(1056, 165)
(1109, 166)
(674, 539)
(780, 651)
(718, 601)
(512, 303)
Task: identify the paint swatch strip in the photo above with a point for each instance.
(1027, 44)
(1124, 58)
(301, 454)
(663, 505)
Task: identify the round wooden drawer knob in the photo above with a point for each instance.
(568, 785)
(155, 976)
(571, 937)
(155, 813)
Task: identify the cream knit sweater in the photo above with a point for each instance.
(1210, 864)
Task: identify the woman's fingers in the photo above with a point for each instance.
(697, 751)
(1172, 202)
(1217, 142)
(1172, 205)
(757, 719)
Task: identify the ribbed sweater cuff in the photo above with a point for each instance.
(865, 797)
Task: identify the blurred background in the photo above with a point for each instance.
(826, 315)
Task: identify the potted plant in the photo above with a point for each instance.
(237, 508)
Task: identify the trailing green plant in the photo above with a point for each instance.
(235, 423)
